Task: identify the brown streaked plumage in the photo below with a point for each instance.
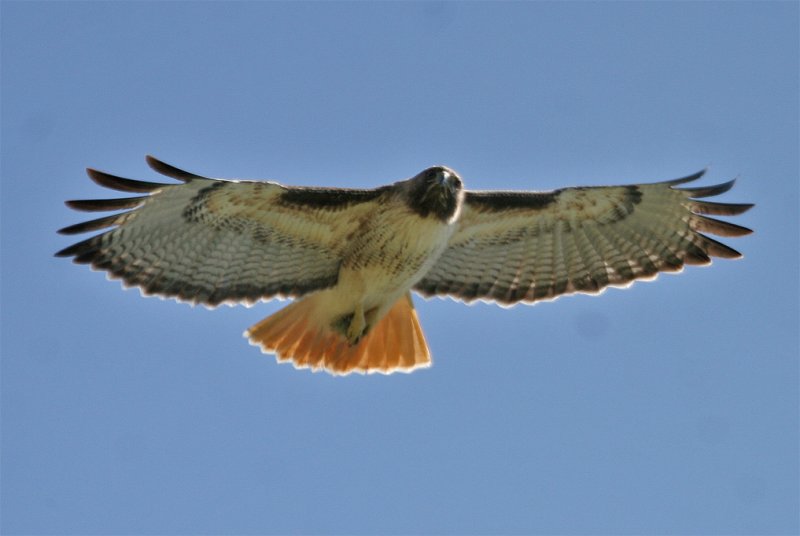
(350, 257)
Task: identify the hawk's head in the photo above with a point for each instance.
(436, 192)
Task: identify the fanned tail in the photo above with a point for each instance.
(395, 344)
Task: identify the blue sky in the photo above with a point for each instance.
(671, 407)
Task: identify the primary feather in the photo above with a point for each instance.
(515, 247)
(350, 257)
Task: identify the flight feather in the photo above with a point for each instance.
(351, 257)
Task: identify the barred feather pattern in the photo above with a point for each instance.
(513, 247)
(213, 241)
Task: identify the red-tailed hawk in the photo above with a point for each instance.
(350, 258)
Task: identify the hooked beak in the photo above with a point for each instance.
(445, 178)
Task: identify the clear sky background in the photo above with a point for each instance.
(671, 407)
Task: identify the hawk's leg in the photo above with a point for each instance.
(357, 326)
(352, 325)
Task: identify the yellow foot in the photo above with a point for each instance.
(357, 326)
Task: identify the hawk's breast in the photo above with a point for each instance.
(395, 249)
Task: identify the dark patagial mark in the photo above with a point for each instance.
(327, 198)
(505, 200)
(498, 201)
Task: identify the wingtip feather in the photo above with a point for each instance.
(708, 191)
(718, 227)
(122, 184)
(102, 205)
(688, 178)
(91, 225)
(720, 209)
(718, 249)
(170, 170)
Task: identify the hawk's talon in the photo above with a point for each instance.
(358, 326)
(338, 250)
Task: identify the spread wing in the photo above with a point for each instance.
(526, 246)
(212, 241)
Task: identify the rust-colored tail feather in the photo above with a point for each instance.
(395, 344)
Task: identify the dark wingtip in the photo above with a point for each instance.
(720, 209)
(708, 191)
(717, 227)
(168, 170)
(119, 183)
(91, 225)
(66, 252)
(100, 205)
(83, 251)
(688, 178)
(718, 249)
